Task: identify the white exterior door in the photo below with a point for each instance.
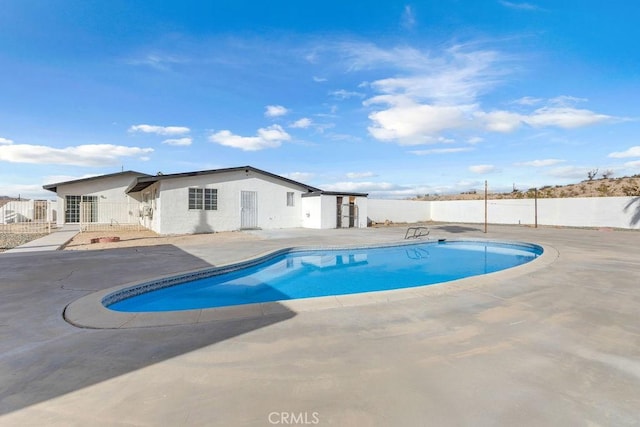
(248, 209)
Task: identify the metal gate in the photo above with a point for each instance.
(248, 209)
(349, 213)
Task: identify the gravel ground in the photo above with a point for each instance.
(11, 240)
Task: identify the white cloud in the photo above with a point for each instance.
(269, 137)
(566, 101)
(475, 140)
(528, 100)
(299, 176)
(160, 130)
(434, 93)
(408, 18)
(467, 184)
(540, 163)
(358, 175)
(360, 187)
(25, 191)
(275, 111)
(457, 76)
(344, 94)
(81, 155)
(159, 61)
(303, 123)
(570, 172)
(631, 152)
(319, 79)
(178, 141)
(312, 57)
(633, 164)
(519, 6)
(482, 168)
(564, 117)
(5, 141)
(320, 128)
(409, 123)
(458, 73)
(444, 140)
(500, 121)
(441, 151)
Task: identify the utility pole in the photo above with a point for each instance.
(536, 208)
(485, 205)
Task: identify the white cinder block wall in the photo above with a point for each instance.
(363, 211)
(398, 210)
(619, 212)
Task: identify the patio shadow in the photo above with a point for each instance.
(43, 357)
(456, 228)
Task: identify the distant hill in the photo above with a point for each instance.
(603, 187)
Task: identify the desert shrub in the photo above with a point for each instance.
(603, 189)
(633, 189)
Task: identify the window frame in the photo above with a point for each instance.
(202, 199)
(212, 203)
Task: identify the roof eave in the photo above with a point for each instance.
(334, 193)
(54, 187)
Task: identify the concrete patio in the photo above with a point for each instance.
(555, 346)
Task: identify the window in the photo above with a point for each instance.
(210, 199)
(195, 198)
(289, 198)
(203, 198)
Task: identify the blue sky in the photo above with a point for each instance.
(385, 97)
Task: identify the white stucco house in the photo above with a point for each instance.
(206, 201)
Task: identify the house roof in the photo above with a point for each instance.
(334, 193)
(54, 187)
(143, 182)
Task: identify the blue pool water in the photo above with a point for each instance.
(305, 274)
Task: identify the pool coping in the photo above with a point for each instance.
(89, 311)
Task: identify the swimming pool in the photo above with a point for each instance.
(297, 274)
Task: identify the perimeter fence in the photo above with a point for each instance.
(28, 216)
